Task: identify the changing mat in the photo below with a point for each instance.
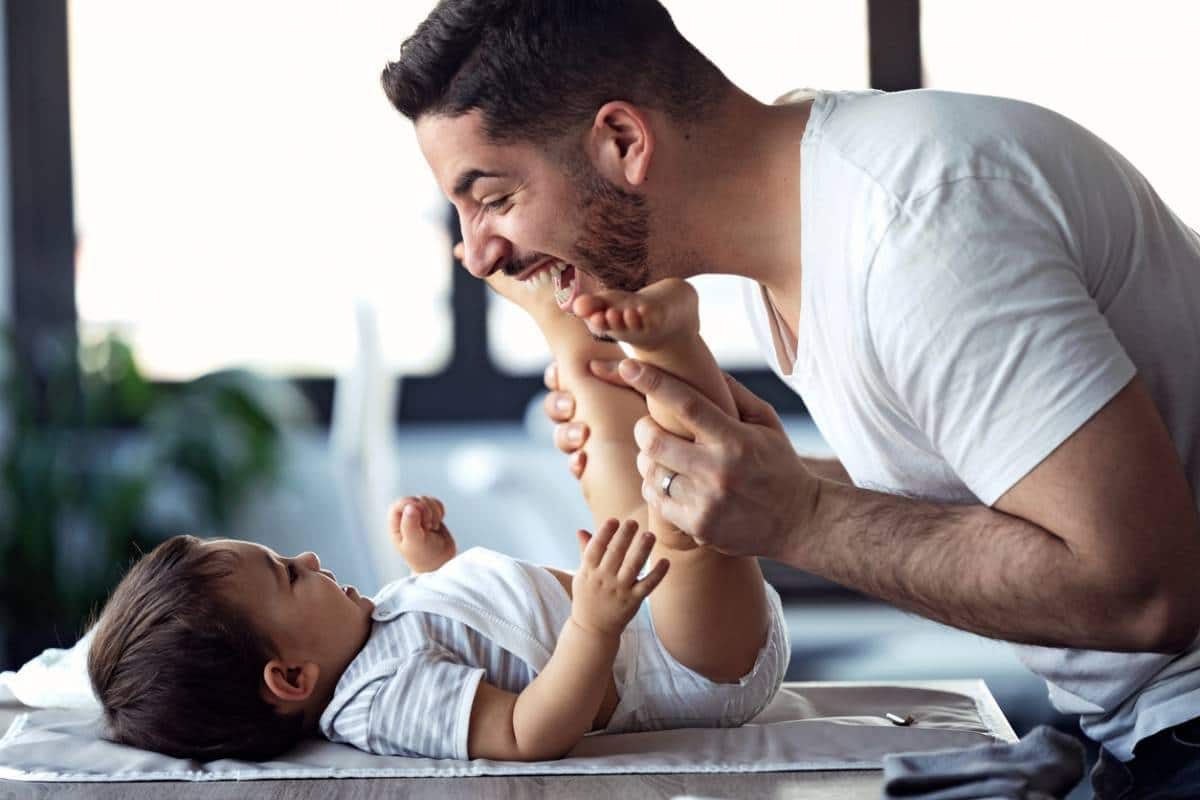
(808, 726)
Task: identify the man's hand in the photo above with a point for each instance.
(570, 434)
(419, 533)
(606, 592)
(739, 487)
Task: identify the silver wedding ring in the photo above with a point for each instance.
(667, 480)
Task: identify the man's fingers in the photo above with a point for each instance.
(559, 406)
(459, 251)
(752, 408)
(665, 448)
(584, 538)
(653, 578)
(696, 412)
(607, 371)
(577, 463)
(654, 479)
(570, 436)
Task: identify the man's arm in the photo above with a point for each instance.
(1097, 547)
(828, 468)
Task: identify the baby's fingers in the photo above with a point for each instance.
(618, 547)
(653, 578)
(433, 512)
(635, 559)
(411, 525)
(598, 543)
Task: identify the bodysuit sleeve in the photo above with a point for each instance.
(984, 331)
(422, 708)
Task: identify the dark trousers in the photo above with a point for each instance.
(1165, 766)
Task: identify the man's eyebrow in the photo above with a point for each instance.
(465, 181)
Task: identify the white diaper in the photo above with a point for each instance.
(657, 692)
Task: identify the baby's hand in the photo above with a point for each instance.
(606, 592)
(419, 533)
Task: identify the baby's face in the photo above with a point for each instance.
(301, 607)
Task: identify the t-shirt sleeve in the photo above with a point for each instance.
(422, 708)
(984, 331)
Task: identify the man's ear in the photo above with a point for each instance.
(621, 143)
(293, 683)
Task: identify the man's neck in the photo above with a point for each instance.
(737, 208)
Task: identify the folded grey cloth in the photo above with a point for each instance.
(1044, 764)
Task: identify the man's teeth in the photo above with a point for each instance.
(543, 276)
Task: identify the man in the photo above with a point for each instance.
(989, 314)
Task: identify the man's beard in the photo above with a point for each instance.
(614, 243)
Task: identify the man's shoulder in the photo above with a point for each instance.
(909, 143)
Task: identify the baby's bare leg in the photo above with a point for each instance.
(610, 482)
(711, 610)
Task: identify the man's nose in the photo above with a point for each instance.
(310, 560)
(484, 254)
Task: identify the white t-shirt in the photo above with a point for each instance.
(980, 277)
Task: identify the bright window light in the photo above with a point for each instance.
(1126, 71)
(241, 184)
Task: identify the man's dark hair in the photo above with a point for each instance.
(178, 669)
(538, 68)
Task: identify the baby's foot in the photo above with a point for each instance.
(535, 295)
(648, 319)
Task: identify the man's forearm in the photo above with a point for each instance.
(968, 566)
(829, 468)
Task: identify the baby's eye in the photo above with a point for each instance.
(292, 574)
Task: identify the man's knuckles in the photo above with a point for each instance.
(693, 409)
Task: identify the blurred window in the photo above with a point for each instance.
(767, 48)
(1126, 71)
(241, 183)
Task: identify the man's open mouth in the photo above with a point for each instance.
(562, 275)
(565, 285)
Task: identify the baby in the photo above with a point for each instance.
(222, 648)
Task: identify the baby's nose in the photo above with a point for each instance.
(311, 559)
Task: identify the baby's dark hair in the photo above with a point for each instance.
(178, 668)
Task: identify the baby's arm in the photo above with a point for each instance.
(419, 533)
(553, 712)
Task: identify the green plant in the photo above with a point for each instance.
(100, 464)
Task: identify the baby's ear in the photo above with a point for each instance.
(290, 683)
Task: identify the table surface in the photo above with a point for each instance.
(823, 785)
